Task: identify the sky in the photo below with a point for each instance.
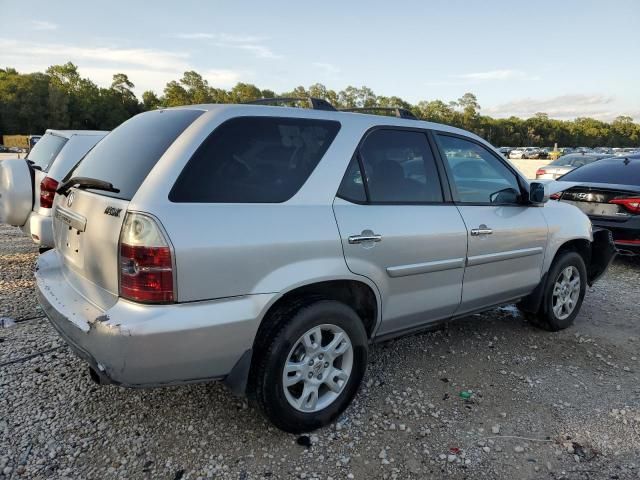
(567, 58)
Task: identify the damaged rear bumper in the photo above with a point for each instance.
(137, 345)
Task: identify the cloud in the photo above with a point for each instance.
(568, 106)
(327, 68)
(148, 69)
(222, 37)
(497, 75)
(43, 25)
(249, 43)
(149, 58)
(259, 51)
(223, 78)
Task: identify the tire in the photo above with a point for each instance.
(292, 408)
(555, 319)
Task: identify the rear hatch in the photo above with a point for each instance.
(599, 201)
(88, 221)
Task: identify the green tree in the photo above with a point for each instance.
(150, 100)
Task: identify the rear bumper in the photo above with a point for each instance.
(626, 235)
(150, 345)
(40, 229)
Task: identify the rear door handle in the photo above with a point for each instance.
(366, 236)
(481, 230)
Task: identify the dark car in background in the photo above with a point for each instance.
(505, 151)
(566, 163)
(609, 193)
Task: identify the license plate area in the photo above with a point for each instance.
(599, 209)
(69, 233)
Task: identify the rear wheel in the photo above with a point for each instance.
(564, 292)
(310, 368)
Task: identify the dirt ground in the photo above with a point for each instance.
(542, 405)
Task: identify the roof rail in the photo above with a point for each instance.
(399, 112)
(314, 103)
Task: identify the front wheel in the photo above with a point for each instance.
(311, 368)
(564, 292)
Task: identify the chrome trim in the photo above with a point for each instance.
(426, 267)
(481, 231)
(500, 256)
(70, 218)
(354, 239)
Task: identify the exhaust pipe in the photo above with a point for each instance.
(98, 377)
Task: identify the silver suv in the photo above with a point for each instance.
(268, 246)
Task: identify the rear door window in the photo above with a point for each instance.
(126, 156)
(399, 168)
(254, 160)
(46, 150)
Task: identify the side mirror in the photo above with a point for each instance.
(538, 193)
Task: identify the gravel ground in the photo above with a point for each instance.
(541, 405)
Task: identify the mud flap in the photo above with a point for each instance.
(238, 378)
(603, 251)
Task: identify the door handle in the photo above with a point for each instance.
(366, 236)
(481, 230)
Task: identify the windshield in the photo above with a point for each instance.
(46, 150)
(125, 157)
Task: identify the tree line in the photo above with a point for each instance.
(60, 98)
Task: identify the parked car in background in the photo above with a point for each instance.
(505, 151)
(566, 150)
(566, 163)
(251, 244)
(27, 186)
(623, 152)
(516, 153)
(609, 193)
(534, 153)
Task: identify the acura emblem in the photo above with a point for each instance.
(70, 199)
(582, 196)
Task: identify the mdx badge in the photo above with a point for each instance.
(113, 211)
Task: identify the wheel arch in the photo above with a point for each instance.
(359, 293)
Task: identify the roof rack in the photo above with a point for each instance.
(399, 112)
(314, 103)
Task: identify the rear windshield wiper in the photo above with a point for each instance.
(33, 165)
(86, 182)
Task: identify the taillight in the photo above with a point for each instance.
(540, 172)
(631, 204)
(48, 187)
(146, 266)
(555, 196)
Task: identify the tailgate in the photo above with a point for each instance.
(86, 230)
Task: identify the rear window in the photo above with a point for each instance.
(620, 171)
(254, 160)
(46, 150)
(126, 156)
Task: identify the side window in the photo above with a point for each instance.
(352, 186)
(400, 167)
(478, 175)
(254, 160)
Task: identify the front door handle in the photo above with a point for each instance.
(481, 230)
(366, 236)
